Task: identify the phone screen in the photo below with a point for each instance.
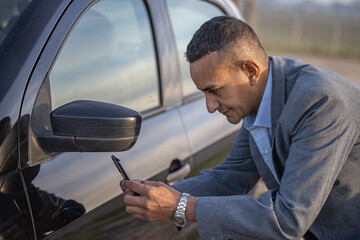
(120, 167)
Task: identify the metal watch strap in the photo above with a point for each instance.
(182, 207)
(182, 202)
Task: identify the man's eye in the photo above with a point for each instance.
(213, 91)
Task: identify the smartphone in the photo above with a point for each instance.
(121, 170)
(120, 167)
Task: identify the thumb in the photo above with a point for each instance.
(136, 186)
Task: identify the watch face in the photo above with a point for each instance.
(178, 220)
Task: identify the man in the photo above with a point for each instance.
(300, 134)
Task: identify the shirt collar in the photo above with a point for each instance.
(263, 116)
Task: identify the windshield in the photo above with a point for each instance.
(10, 13)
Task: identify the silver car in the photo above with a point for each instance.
(81, 80)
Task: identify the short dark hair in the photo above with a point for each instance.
(221, 34)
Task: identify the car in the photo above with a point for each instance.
(82, 80)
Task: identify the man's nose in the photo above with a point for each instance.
(212, 104)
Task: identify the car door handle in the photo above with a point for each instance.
(179, 174)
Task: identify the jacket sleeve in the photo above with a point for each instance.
(237, 174)
(321, 132)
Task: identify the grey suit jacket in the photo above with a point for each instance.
(316, 153)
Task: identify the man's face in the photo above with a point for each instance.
(231, 91)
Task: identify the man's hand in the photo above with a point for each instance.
(157, 201)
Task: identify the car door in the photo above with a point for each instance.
(105, 51)
(210, 135)
(15, 217)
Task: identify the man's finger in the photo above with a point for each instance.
(140, 213)
(132, 200)
(133, 210)
(122, 186)
(136, 186)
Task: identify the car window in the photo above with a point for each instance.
(109, 57)
(186, 18)
(10, 13)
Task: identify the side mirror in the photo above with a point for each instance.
(90, 126)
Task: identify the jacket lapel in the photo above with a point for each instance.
(278, 99)
(278, 91)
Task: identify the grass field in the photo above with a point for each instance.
(309, 33)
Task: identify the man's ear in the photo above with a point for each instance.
(253, 71)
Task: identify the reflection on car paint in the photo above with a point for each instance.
(49, 211)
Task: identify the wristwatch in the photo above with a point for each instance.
(179, 218)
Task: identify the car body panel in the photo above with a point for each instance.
(14, 205)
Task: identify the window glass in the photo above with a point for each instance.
(185, 27)
(10, 13)
(109, 57)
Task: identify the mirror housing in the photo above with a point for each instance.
(90, 126)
